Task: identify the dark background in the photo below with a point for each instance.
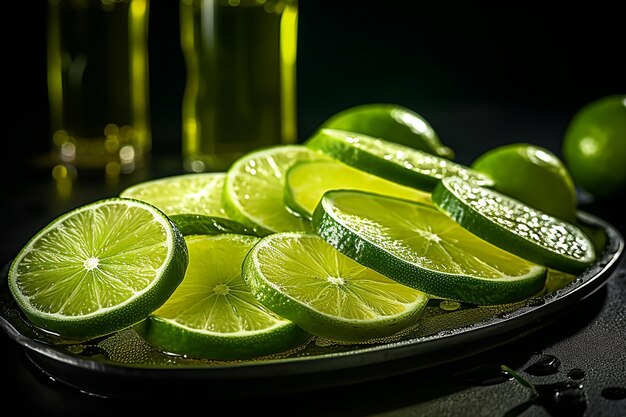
(482, 75)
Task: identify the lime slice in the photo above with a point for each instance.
(397, 163)
(212, 314)
(197, 224)
(419, 246)
(391, 122)
(308, 181)
(512, 225)
(253, 193)
(99, 268)
(302, 278)
(199, 193)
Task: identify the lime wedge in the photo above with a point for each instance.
(512, 225)
(199, 193)
(391, 122)
(212, 314)
(308, 181)
(392, 161)
(253, 193)
(302, 278)
(99, 268)
(421, 247)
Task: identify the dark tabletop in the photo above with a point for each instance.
(480, 81)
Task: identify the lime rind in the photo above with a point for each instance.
(302, 278)
(197, 193)
(392, 161)
(99, 268)
(197, 224)
(212, 314)
(512, 225)
(394, 237)
(307, 181)
(254, 189)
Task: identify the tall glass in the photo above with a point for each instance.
(240, 89)
(98, 85)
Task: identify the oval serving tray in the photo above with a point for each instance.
(123, 363)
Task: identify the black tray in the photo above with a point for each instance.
(123, 365)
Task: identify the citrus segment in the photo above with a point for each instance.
(421, 247)
(199, 193)
(99, 268)
(212, 314)
(308, 181)
(392, 161)
(253, 193)
(302, 278)
(197, 224)
(514, 226)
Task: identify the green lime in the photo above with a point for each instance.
(419, 246)
(394, 162)
(300, 277)
(198, 193)
(197, 224)
(391, 122)
(594, 146)
(533, 175)
(513, 226)
(99, 268)
(212, 314)
(308, 181)
(253, 193)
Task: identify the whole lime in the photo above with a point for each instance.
(391, 122)
(533, 175)
(594, 146)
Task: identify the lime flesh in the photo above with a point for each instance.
(308, 181)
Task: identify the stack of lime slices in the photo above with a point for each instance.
(345, 237)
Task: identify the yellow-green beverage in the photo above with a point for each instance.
(98, 83)
(240, 88)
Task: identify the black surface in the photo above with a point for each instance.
(482, 76)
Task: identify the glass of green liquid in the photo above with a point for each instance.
(240, 91)
(98, 86)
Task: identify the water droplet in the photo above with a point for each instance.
(614, 393)
(449, 305)
(547, 365)
(481, 375)
(576, 373)
(562, 399)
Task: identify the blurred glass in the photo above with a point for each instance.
(241, 78)
(98, 86)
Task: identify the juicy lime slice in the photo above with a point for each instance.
(421, 247)
(199, 193)
(307, 181)
(197, 224)
(391, 122)
(392, 161)
(99, 268)
(302, 278)
(212, 314)
(513, 226)
(253, 193)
